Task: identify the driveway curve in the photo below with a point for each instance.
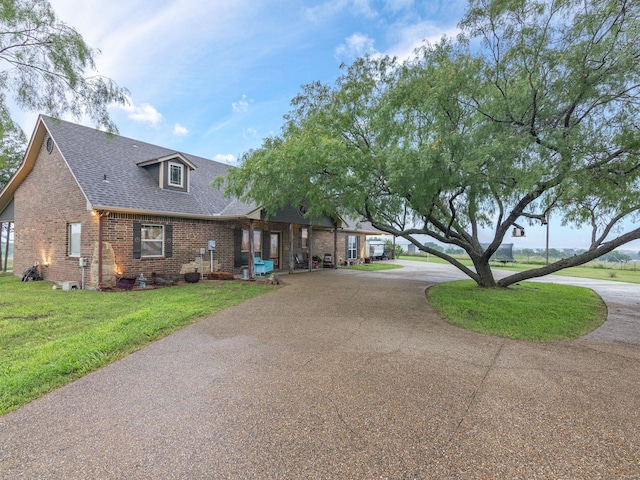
(345, 374)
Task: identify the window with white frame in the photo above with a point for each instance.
(152, 240)
(352, 247)
(176, 174)
(74, 239)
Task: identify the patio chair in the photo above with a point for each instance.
(300, 261)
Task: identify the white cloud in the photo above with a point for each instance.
(242, 105)
(225, 158)
(143, 113)
(363, 7)
(356, 46)
(248, 133)
(409, 37)
(180, 131)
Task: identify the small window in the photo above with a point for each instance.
(176, 175)
(152, 240)
(304, 238)
(74, 239)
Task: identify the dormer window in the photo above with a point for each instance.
(172, 171)
(176, 175)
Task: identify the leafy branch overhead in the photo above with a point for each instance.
(532, 111)
(47, 67)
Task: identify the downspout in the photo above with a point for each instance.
(100, 215)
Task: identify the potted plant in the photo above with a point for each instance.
(192, 277)
(315, 261)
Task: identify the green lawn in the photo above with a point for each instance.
(375, 266)
(525, 311)
(50, 337)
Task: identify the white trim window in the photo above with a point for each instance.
(152, 240)
(74, 244)
(352, 247)
(176, 175)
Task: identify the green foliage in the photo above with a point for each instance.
(616, 257)
(538, 117)
(50, 337)
(396, 250)
(12, 146)
(48, 68)
(541, 312)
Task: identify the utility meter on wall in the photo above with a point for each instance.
(211, 244)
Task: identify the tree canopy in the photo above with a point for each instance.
(46, 66)
(531, 111)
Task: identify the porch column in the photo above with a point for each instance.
(291, 266)
(6, 247)
(252, 249)
(1, 227)
(335, 244)
(310, 240)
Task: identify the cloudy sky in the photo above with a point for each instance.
(213, 78)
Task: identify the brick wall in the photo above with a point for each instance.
(45, 203)
(322, 242)
(189, 236)
(49, 199)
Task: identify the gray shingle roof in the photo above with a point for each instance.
(93, 155)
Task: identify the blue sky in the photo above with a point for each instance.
(214, 78)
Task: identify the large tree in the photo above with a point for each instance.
(12, 146)
(532, 111)
(46, 66)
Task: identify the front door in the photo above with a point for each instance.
(274, 250)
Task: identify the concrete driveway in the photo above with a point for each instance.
(344, 375)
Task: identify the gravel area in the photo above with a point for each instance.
(341, 374)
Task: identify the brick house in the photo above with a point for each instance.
(122, 207)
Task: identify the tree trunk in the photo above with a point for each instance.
(484, 275)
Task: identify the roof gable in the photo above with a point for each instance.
(108, 170)
(175, 156)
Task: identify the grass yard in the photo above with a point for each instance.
(541, 312)
(51, 337)
(375, 266)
